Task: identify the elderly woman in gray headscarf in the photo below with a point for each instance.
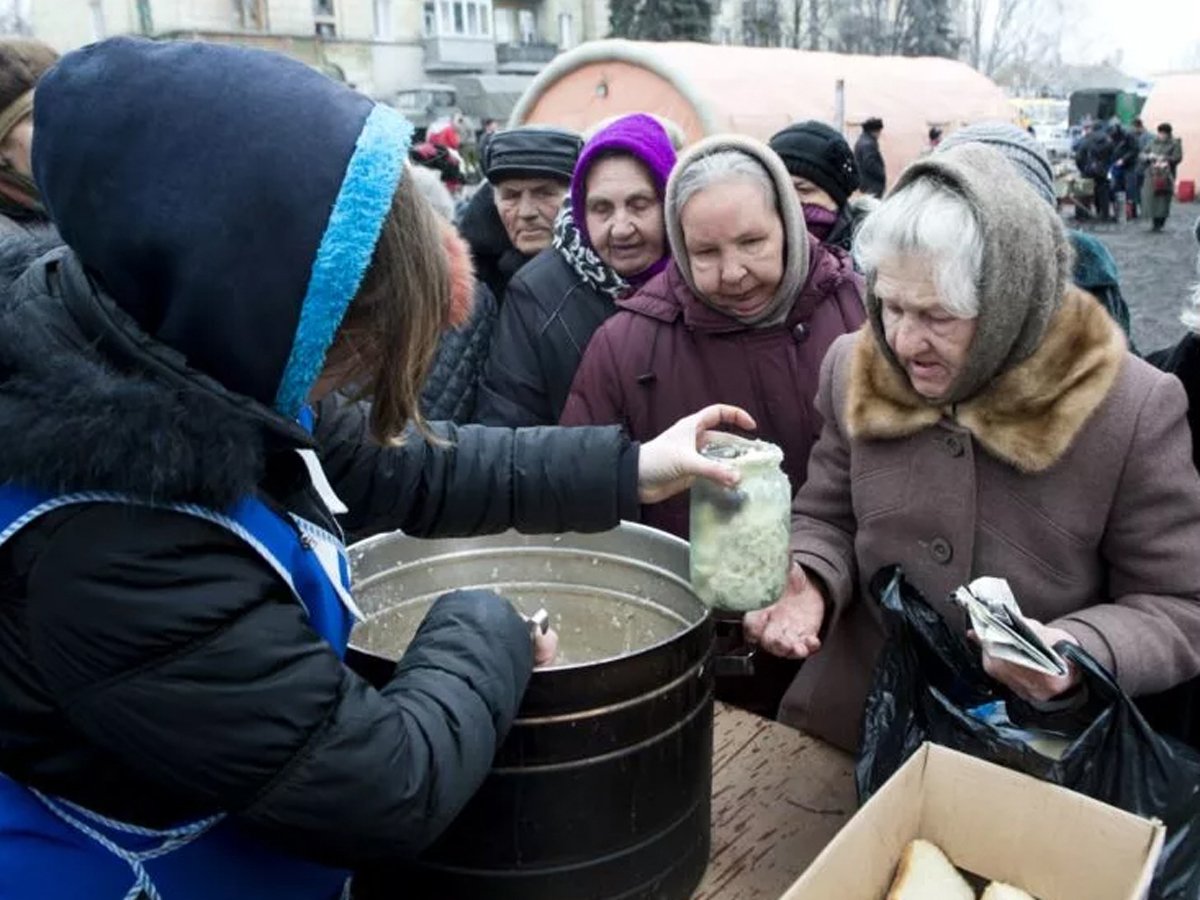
(990, 421)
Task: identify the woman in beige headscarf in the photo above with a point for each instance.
(22, 63)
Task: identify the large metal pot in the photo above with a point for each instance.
(602, 788)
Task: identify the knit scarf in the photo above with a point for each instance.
(586, 263)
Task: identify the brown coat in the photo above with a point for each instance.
(1070, 475)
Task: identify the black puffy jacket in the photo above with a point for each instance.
(154, 668)
(546, 321)
(452, 385)
(496, 259)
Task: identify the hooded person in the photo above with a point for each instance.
(22, 63)
(825, 176)
(745, 312)
(1095, 269)
(609, 240)
(990, 422)
(243, 247)
(510, 219)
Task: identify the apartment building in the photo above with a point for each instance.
(380, 46)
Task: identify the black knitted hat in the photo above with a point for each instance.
(814, 151)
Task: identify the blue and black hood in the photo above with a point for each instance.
(229, 200)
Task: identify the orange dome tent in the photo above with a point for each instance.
(709, 88)
(1176, 99)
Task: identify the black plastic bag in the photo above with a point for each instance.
(927, 680)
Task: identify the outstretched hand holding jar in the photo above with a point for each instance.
(789, 628)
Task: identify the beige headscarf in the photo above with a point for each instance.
(795, 271)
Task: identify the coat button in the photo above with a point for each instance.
(800, 333)
(941, 551)
(953, 445)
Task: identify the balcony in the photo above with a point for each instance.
(459, 53)
(526, 57)
(535, 53)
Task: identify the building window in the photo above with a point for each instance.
(459, 18)
(383, 20)
(505, 21)
(323, 8)
(527, 26)
(566, 31)
(326, 30)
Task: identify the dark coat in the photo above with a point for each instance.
(850, 218)
(154, 668)
(1096, 272)
(452, 386)
(667, 354)
(1183, 361)
(496, 259)
(872, 171)
(546, 321)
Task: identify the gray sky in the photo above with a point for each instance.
(1154, 34)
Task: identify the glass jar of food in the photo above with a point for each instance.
(740, 537)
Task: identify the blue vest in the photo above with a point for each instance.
(52, 849)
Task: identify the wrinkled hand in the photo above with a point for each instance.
(789, 626)
(670, 463)
(1027, 684)
(545, 648)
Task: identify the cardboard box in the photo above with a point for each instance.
(993, 822)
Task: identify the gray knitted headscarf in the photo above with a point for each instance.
(795, 270)
(1026, 262)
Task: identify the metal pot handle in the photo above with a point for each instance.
(739, 663)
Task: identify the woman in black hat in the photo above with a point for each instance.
(825, 176)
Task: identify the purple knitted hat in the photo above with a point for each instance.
(639, 135)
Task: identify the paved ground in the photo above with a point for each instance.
(1157, 272)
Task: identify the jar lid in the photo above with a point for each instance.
(740, 452)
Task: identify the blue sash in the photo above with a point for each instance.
(51, 849)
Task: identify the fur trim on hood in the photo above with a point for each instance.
(1028, 416)
(795, 234)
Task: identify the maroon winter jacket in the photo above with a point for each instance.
(666, 354)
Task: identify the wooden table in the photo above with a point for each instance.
(779, 797)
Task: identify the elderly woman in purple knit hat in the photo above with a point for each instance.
(608, 241)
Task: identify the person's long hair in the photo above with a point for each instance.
(390, 334)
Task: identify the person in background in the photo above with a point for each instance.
(1124, 171)
(935, 138)
(510, 220)
(991, 421)
(825, 177)
(1094, 159)
(22, 63)
(1162, 161)
(1136, 176)
(608, 242)
(1183, 359)
(1095, 268)
(872, 172)
(745, 311)
(176, 719)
